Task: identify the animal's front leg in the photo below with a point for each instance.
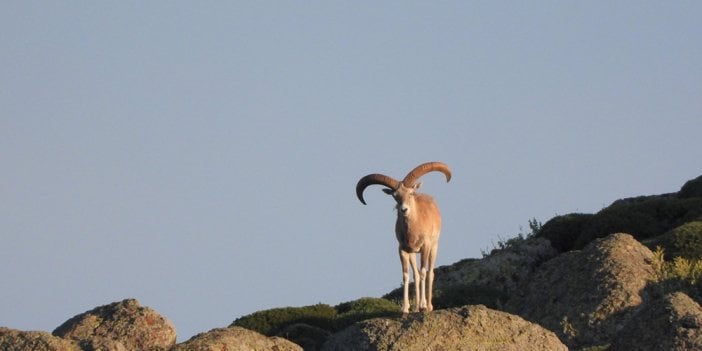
(418, 282)
(423, 289)
(405, 260)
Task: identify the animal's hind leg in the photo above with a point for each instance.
(430, 277)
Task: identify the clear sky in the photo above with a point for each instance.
(202, 157)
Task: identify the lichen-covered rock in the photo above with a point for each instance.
(673, 322)
(586, 296)
(503, 267)
(135, 327)
(103, 344)
(16, 340)
(490, 280)
(235, 339)
(461, 328)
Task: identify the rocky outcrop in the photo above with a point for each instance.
(464, 328)
(610, 293)
(490, 280)
(503, 268)
(235, 339)
(586, 296)
(673, 322)
(16, 340)
(124, 324)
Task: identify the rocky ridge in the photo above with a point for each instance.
(583, 281)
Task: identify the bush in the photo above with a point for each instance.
(457, 295)
(643, 217)
(270, 322)
(563, 231)
(692, 188)
(275, 321)
(678, 274)
(362, 309)
(468, 294)
(687, 240)
(684, 241)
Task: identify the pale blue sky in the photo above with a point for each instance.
(202, 157)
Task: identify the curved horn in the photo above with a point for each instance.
(425, 168)
(374, 179)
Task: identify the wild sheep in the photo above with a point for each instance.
(417, 228)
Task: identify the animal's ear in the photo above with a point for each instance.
(416, 186)
(388, 191)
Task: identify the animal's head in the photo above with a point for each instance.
(404, 197)
(402, 191)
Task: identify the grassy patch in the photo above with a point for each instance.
(273, 321)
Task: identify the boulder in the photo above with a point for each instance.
(124, 324)
(488, 281)
(16, 340)
(586, 296)
(504, 268)
(460, 328)
(235, 339)
(103, 344)
(671, 323)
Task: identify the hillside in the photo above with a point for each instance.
(624, 278)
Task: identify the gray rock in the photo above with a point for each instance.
(461, 328)
(133, 326)
(235, 339)
(490, 280)
(586, 296)
(16, 340)
(503, 268)
(673, 323)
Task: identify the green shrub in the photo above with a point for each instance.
(678, 274)
(468, 294)
(362, 309)
(643, 217)
(274, 321)
(457, 295)
(563, 231)
(305, 335)
(270, 322)
(685, 240)
(505, 244)
(692, 188)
